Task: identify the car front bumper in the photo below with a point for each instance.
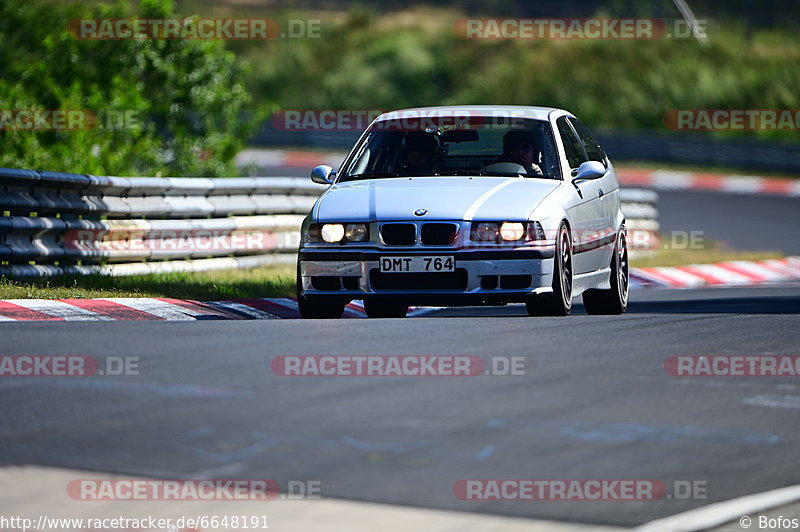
(484, 276)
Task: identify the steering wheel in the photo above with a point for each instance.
(507, 167)
(515, 161)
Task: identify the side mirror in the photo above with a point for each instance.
(589, 170)
(322, 174)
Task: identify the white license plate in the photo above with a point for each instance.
(432, 264)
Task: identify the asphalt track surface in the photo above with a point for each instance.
(749, 222)
(595, 403)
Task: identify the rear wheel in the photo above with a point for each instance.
(615, 300)
(559, 301)
(317, 307)
(381, 308)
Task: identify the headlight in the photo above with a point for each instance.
(336, 233)
(485, 232)
(332, 232)
(511, 231)
(507, 232)
(355, 232)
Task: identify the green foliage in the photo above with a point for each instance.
(267, 281)
(190, 108)
(414, 58)
(192, 98)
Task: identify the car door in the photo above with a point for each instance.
(588, 216)
(609, 187)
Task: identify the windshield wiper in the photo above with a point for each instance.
(457, 171)
(466, 172)
(503, 174)
(369, 175)
(514, 174)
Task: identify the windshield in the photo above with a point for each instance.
(524, 147)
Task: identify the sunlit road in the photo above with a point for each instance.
(595, 402)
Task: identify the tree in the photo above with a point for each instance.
(164, 107)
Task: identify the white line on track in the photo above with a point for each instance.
(162, 309)
(59, 309)
(743, 185)
(38, 489)
(773, 401)
(244, 309)
(723, 512)
(285, 302)
(754, 268)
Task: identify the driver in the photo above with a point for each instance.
(420, 154)
(520, 147)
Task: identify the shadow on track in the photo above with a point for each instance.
(695, 305)
(725, 305)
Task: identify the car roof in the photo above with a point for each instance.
(521, 111)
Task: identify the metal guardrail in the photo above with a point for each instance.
(69, 224)
(57, 223)
(641, 219)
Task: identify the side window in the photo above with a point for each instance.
(593, 148)
(572, 146)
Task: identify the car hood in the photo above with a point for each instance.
(444, 198)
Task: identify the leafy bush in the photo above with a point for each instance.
(413, 58)
(192, 110)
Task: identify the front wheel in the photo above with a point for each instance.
(317, 307)
(559, 301)
(615, 300)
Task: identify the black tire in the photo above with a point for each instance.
(615, 300)
(559, 301)
(325, 308)
(379, 308)
(320, 308)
